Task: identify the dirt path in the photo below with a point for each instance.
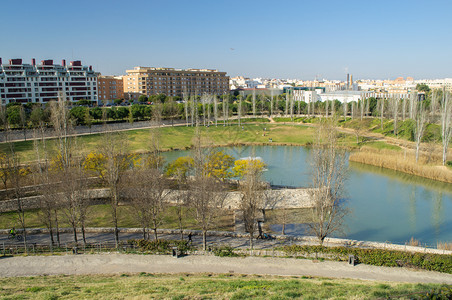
(128, 263)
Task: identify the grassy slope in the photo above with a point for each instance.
(207, 286)
(100, 216)
(181, 137)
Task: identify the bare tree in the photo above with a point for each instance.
(345, 108)
(421, 116)
(413, 101)
(182, 203)
(193, 105)
(434, 105)
(18, 182)
(207, 193)
(23, 121)
(394, 106)
(215, 109)
(254, 102)
(239, 110)
(186, 100)
(149, 191)
(252, 197)
(361, 106)
(446, 123)
(403, 109)
(225, 110)
(328, 178)
(70, 194)
(381, 109)
(110, 165)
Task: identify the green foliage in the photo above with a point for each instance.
(162, 246)
(79, 114)
(432, 133)
(224, 251)
(83, 102)
(378, 257)
(422, 88)
(180, 167)
(13, 114)
(142, 99)
(449, 163)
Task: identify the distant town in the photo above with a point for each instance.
(42, 82)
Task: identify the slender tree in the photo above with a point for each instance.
(207, 194)
(421, 121)
(446, 124)
(252, 197)
(328, 178)
(394, 106)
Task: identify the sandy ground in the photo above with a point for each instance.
(128, 263)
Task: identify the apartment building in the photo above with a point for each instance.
(110, 88)
(173, 82)
(42, 83)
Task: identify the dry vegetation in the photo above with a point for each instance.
(403, 162)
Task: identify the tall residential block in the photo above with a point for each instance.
(174, 82)
(110, 88)
(40, 83)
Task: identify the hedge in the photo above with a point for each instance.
(378, 257)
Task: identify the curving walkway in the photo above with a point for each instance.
(128, 263)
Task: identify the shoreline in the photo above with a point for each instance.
(304, 240)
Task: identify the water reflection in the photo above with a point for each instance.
(387, 205)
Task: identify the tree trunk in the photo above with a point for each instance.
(155, 233)
(144, 232)
(251, 241)
(74, 229)
(57, 229)
(116, 235)
(25, 239)
(83, 235)
(51, 235)
(204, 240)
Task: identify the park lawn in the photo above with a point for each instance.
(100, 216)
(381, 145)
(181, 137)
(205, 286)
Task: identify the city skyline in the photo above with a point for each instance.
(299, 39)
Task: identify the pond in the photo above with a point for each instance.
(385, 205)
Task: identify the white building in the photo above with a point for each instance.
(25, 83)
(306, 96)
(437, 83)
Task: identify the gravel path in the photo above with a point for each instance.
(131, 263)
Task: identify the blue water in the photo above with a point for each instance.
(385, 205)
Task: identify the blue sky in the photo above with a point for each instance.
(281, 39)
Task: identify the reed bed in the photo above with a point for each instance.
(403, 161)
(444, 246)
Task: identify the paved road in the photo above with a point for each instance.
(127, 263)
(44, 239)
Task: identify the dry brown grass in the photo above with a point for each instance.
(403, 161)
(444, 246)
(414, 242)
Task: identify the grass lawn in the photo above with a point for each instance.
(204, 286)
(100, 216)
(180, 137)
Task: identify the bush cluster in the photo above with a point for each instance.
(161, 246)
(378, 257)
(224, 251)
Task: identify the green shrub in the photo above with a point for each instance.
(224, 251)
(449, 163)
(378, 257)
(161, 246)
